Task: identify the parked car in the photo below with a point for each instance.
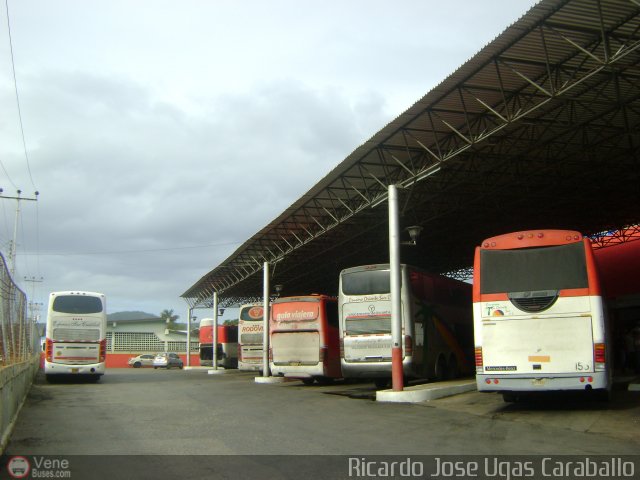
(144, 360)
(167, 360)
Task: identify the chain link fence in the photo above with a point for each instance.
(19, 339)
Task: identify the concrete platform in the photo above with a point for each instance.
(427, 391)
(216, 371)
(196, 368)
(271, 380)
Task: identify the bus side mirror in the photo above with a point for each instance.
(44, 346)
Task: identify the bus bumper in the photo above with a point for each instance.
(297, 371)
(63, 369)
(249, 367)
(374, 369)
(510, 383)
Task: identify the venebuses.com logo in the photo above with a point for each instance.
(39, 467)
(18, 467)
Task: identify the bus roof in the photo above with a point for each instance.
(77, 292)
(314, 297)
(531, 238)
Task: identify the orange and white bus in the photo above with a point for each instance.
(227, 344)
(436, 324)
(250, 337)
(76, 342)
(540, 317)
(305, 339)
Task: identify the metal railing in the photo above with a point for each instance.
(18, 335)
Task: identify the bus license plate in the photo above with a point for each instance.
(295, 364)
(75, 370)
(538, 381)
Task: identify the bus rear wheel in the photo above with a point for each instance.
(308, 381)
(382, 382)
(441, 368)
(325, 380)
(452, 370)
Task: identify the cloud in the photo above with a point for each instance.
(121, 171)
(152, 128)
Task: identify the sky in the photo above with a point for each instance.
(162, 134)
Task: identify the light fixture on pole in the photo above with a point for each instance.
(278, 288)
(414, 233)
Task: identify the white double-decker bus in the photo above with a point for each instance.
(437, 324)
(76, 341)
(250, 337)
(540, 315)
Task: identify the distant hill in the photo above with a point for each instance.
(124, 316)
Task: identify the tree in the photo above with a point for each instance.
(169, 318)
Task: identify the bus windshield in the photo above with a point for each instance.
(368, 282)
(77, 304)
(531, 269)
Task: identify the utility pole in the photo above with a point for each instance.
(33, 309)
(12, 247)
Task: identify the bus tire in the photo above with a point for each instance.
(308, 381)
(381, 382)
(452, 367)
(509, 397)
(325, 380)
(603, 395)
(94, 378)
(441, 368)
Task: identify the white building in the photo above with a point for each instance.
(147, 335)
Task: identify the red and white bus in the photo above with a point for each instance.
(436, 324)
(540, 316)
(227, 344)
(250, 337)
(76, 340)
(305, 339)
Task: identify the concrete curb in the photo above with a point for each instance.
(426, 392)
(218, 371)
(271, 380)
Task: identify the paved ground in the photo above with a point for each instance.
(146, 411)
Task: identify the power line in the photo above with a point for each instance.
(15, 84)
(118, 252)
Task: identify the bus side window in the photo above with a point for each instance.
(332, 313)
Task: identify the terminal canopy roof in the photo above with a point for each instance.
(540, 129)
